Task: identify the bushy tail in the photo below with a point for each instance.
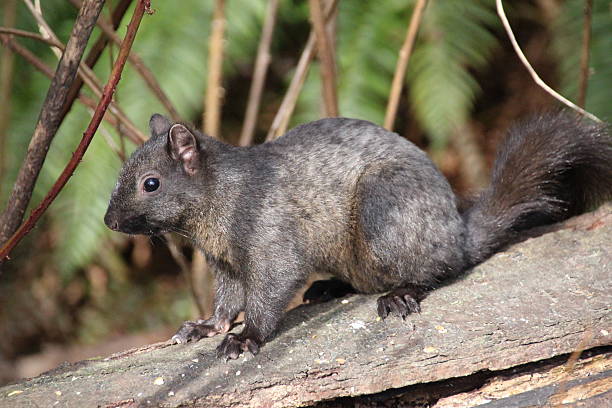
(549, 168)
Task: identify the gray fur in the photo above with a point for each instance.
(341, 196)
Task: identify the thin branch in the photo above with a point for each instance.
(281, 120)
(12, 45)
(137, 62)
(584, 57)
(94, 54)
(259, 75)
(48, 121)
(328, 66)
(212, 102)
(402, 63)
(29, 34)
(115, 119)
(109, 90)
(43, 27)
(534, 75)
(6, 86)
(183, 264)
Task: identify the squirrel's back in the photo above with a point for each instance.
(333, 183)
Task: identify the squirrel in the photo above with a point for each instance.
(349, 198)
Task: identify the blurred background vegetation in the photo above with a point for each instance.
(74, 288)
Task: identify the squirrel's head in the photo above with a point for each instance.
(156, 183)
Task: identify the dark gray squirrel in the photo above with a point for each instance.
(349, 198)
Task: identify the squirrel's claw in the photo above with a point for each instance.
(194, 331)
(401, 302)
(233, 345)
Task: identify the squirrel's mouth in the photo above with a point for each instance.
(135, 225)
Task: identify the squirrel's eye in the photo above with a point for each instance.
(151, 184)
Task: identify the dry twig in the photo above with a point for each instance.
(534, 75)
(259, 75)
(212, 102)
(584, 57)
(88, 16)
(402, 63)
(328, 65)
(281, 120)
(29, 34)
(12, 45)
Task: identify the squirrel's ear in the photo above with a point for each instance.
(183, 147)
(159, 124)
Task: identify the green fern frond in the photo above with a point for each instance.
(454, 37)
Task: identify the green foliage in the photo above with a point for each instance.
(567, 41)
(455, 37)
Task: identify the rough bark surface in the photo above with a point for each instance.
(541, 298)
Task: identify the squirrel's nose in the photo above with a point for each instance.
(111, 220)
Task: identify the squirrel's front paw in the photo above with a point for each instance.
(194, 331)
(233, 345)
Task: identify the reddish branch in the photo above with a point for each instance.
(109, 90)
(49, 119)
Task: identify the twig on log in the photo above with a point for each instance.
(402, 63)
(281, 120)
(584, 57)
(49, 120)
(259, 75)
(109, 90)
(534, 75)
(138, 63)
(328, 66)
(212, 101)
